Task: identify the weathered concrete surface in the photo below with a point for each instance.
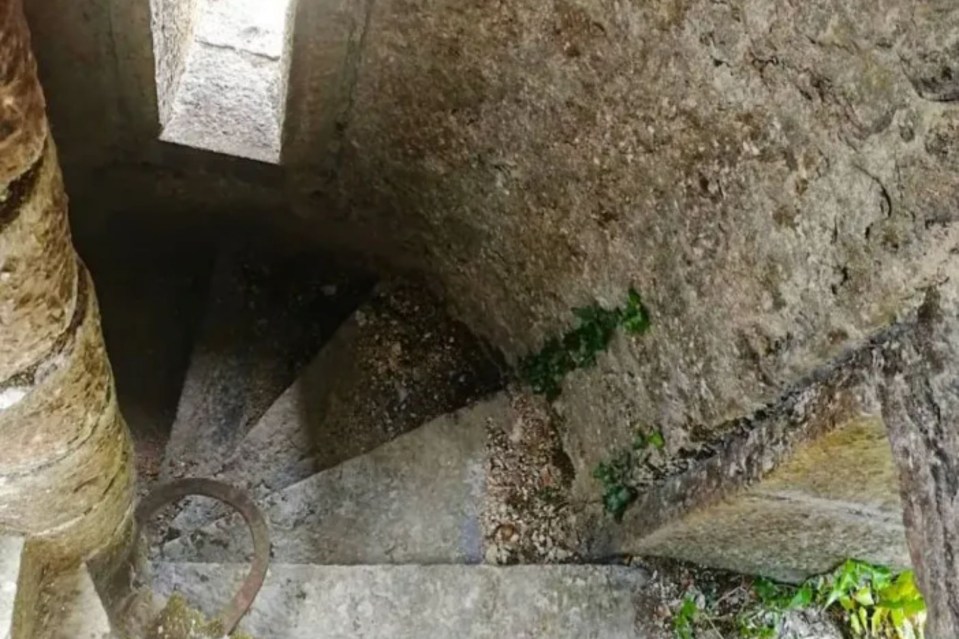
(419, 602)
(266, 315)
(417, 499)
(836, 497)
(396, 363)
(760, 173)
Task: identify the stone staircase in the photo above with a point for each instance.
(373, 470)
(416, 602)
(399, 476)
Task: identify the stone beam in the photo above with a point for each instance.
(221, 70)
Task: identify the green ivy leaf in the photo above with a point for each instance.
(635, 318)
(656, 440)
(803, 597)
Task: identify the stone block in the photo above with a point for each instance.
(417, 499)
(420, 602)
(230, 96)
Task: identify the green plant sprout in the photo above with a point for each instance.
(544, 371)
(685, 619)
(871, 601)
(614, 475)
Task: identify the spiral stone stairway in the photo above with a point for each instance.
(380, 467)
(373, 468)
(777, 180)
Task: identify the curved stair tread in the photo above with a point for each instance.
(251, 344)
(427, 602)
(396, 363)
(417, 499)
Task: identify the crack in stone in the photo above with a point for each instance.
(20, 190)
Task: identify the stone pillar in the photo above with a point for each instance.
(921, 408)
(66, 470)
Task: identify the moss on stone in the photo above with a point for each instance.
(178, 620)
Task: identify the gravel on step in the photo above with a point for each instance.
(396, 363)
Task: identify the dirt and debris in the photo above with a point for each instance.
(400, 362)
(177, 620)
(717, 601)
(424, 363)
(528, 517)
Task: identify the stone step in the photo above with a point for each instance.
(266, 315)
(35, 604)
(11, 555)
(426, 602)
(417, 499)
(396, 363)
(72, 609)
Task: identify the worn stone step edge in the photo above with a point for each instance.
(249, 347)
(417, 499)
(423, 602)
(339, 407)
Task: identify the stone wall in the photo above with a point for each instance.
(778, 179)
(766, 174)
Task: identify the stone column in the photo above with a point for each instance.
(66, 470)
(921, 408)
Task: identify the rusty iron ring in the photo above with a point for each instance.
(239, 501)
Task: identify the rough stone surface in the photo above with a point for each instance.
(396, 363)
(65, 469)
(71, 608)
(29, 584)
(717, 156)
(173, 25)
(835, 497)
(416, 602)
(67, 464)
(327, 40)
(776, 180)
(920, 401)
(24, 126)
(747, 167)
(417, 499)
(11, 553)
(743, 500)
(38, 269)
(266, 316)
(230, 96)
